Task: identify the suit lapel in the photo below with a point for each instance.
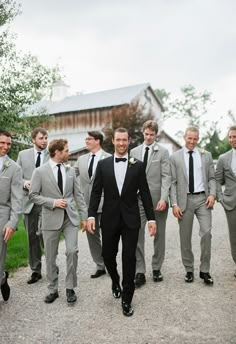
(182, 162)
(113, 177)
(152, 153)
(51, 176)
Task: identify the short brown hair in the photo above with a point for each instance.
(120, 130)
(152, 125)
(5, 133)
(233, 127)
(97, 135)
(58, 144)
(35, 132)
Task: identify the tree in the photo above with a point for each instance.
(23, 80)
(130, 117)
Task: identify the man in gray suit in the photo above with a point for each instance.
(85, 168)
(54, 187)
(156, 159)
(10, 204)
(29, 159)
(193, 192)
(226, 175)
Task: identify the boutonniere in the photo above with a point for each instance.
(155, 148)
(6, 164)
(67, 167)
(132, 161)
(202, 150)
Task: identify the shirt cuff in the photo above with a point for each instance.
(91, 218)
(151, 221)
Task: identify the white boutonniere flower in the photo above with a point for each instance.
(132, 161)
(67, 167)
(202, 151)
(6, 164)
(155, 148)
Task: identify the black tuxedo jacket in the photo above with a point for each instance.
(125, 205)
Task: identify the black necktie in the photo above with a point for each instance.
(90, 169)
(38, 160)
(191, 175)
(59, 178)
(120, 159)
(145, 158)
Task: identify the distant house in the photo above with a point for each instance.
(74, 116)
(168, 142)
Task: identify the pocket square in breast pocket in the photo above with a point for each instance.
(4, 177)
(156, 160)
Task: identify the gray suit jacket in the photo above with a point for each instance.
(225, 176)
(157, 171)
(86, 184)
(44, 191)
(26, 161)
(11, 194)
(179, 177)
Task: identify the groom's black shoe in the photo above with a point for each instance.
(116, 290)
(128, 310)
(5, 289)
(50, 298)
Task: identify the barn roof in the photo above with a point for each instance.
(103, 99)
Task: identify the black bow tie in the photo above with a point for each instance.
(120, 159)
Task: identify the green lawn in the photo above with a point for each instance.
(17, 249)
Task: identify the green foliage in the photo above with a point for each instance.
(23, 80)
(130, 117)
(17, 249)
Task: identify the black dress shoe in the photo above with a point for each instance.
(71, 296)
(139, 280)
(206, 277)
(189, 277)
(116, 290)
(128, 310)
(35, 277)
(157, 276)
(5, 289)
(50, 298)
(98, 273)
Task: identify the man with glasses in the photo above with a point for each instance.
(85, 168)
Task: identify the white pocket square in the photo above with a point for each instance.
(4, 177)
(156, 160)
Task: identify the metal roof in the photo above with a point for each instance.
(103, 99)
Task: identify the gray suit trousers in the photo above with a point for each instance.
(196, 206)
(95, 244)
(231, 219)
(51, 242)
(35, 239)
(158, 243)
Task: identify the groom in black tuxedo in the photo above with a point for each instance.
(121, 178)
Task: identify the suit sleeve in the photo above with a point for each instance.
(211, 178)
(145, 194)
(165, 176)
(16, 198)
(96, 192)
(76, 168)
(173, 188)
(220, 178)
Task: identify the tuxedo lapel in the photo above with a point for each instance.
(128, 177)
(112, 175)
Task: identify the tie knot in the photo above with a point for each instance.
(147, 148)
(59, 166)
(190, 152)
(120, 159)
(39, 153)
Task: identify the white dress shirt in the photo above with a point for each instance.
(120, 169)
(96, 159)
(197, 168)
(54, 168)
(144, 150)
(41, 156)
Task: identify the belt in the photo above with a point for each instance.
(196, 193)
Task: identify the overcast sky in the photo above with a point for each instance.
(104, 44)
